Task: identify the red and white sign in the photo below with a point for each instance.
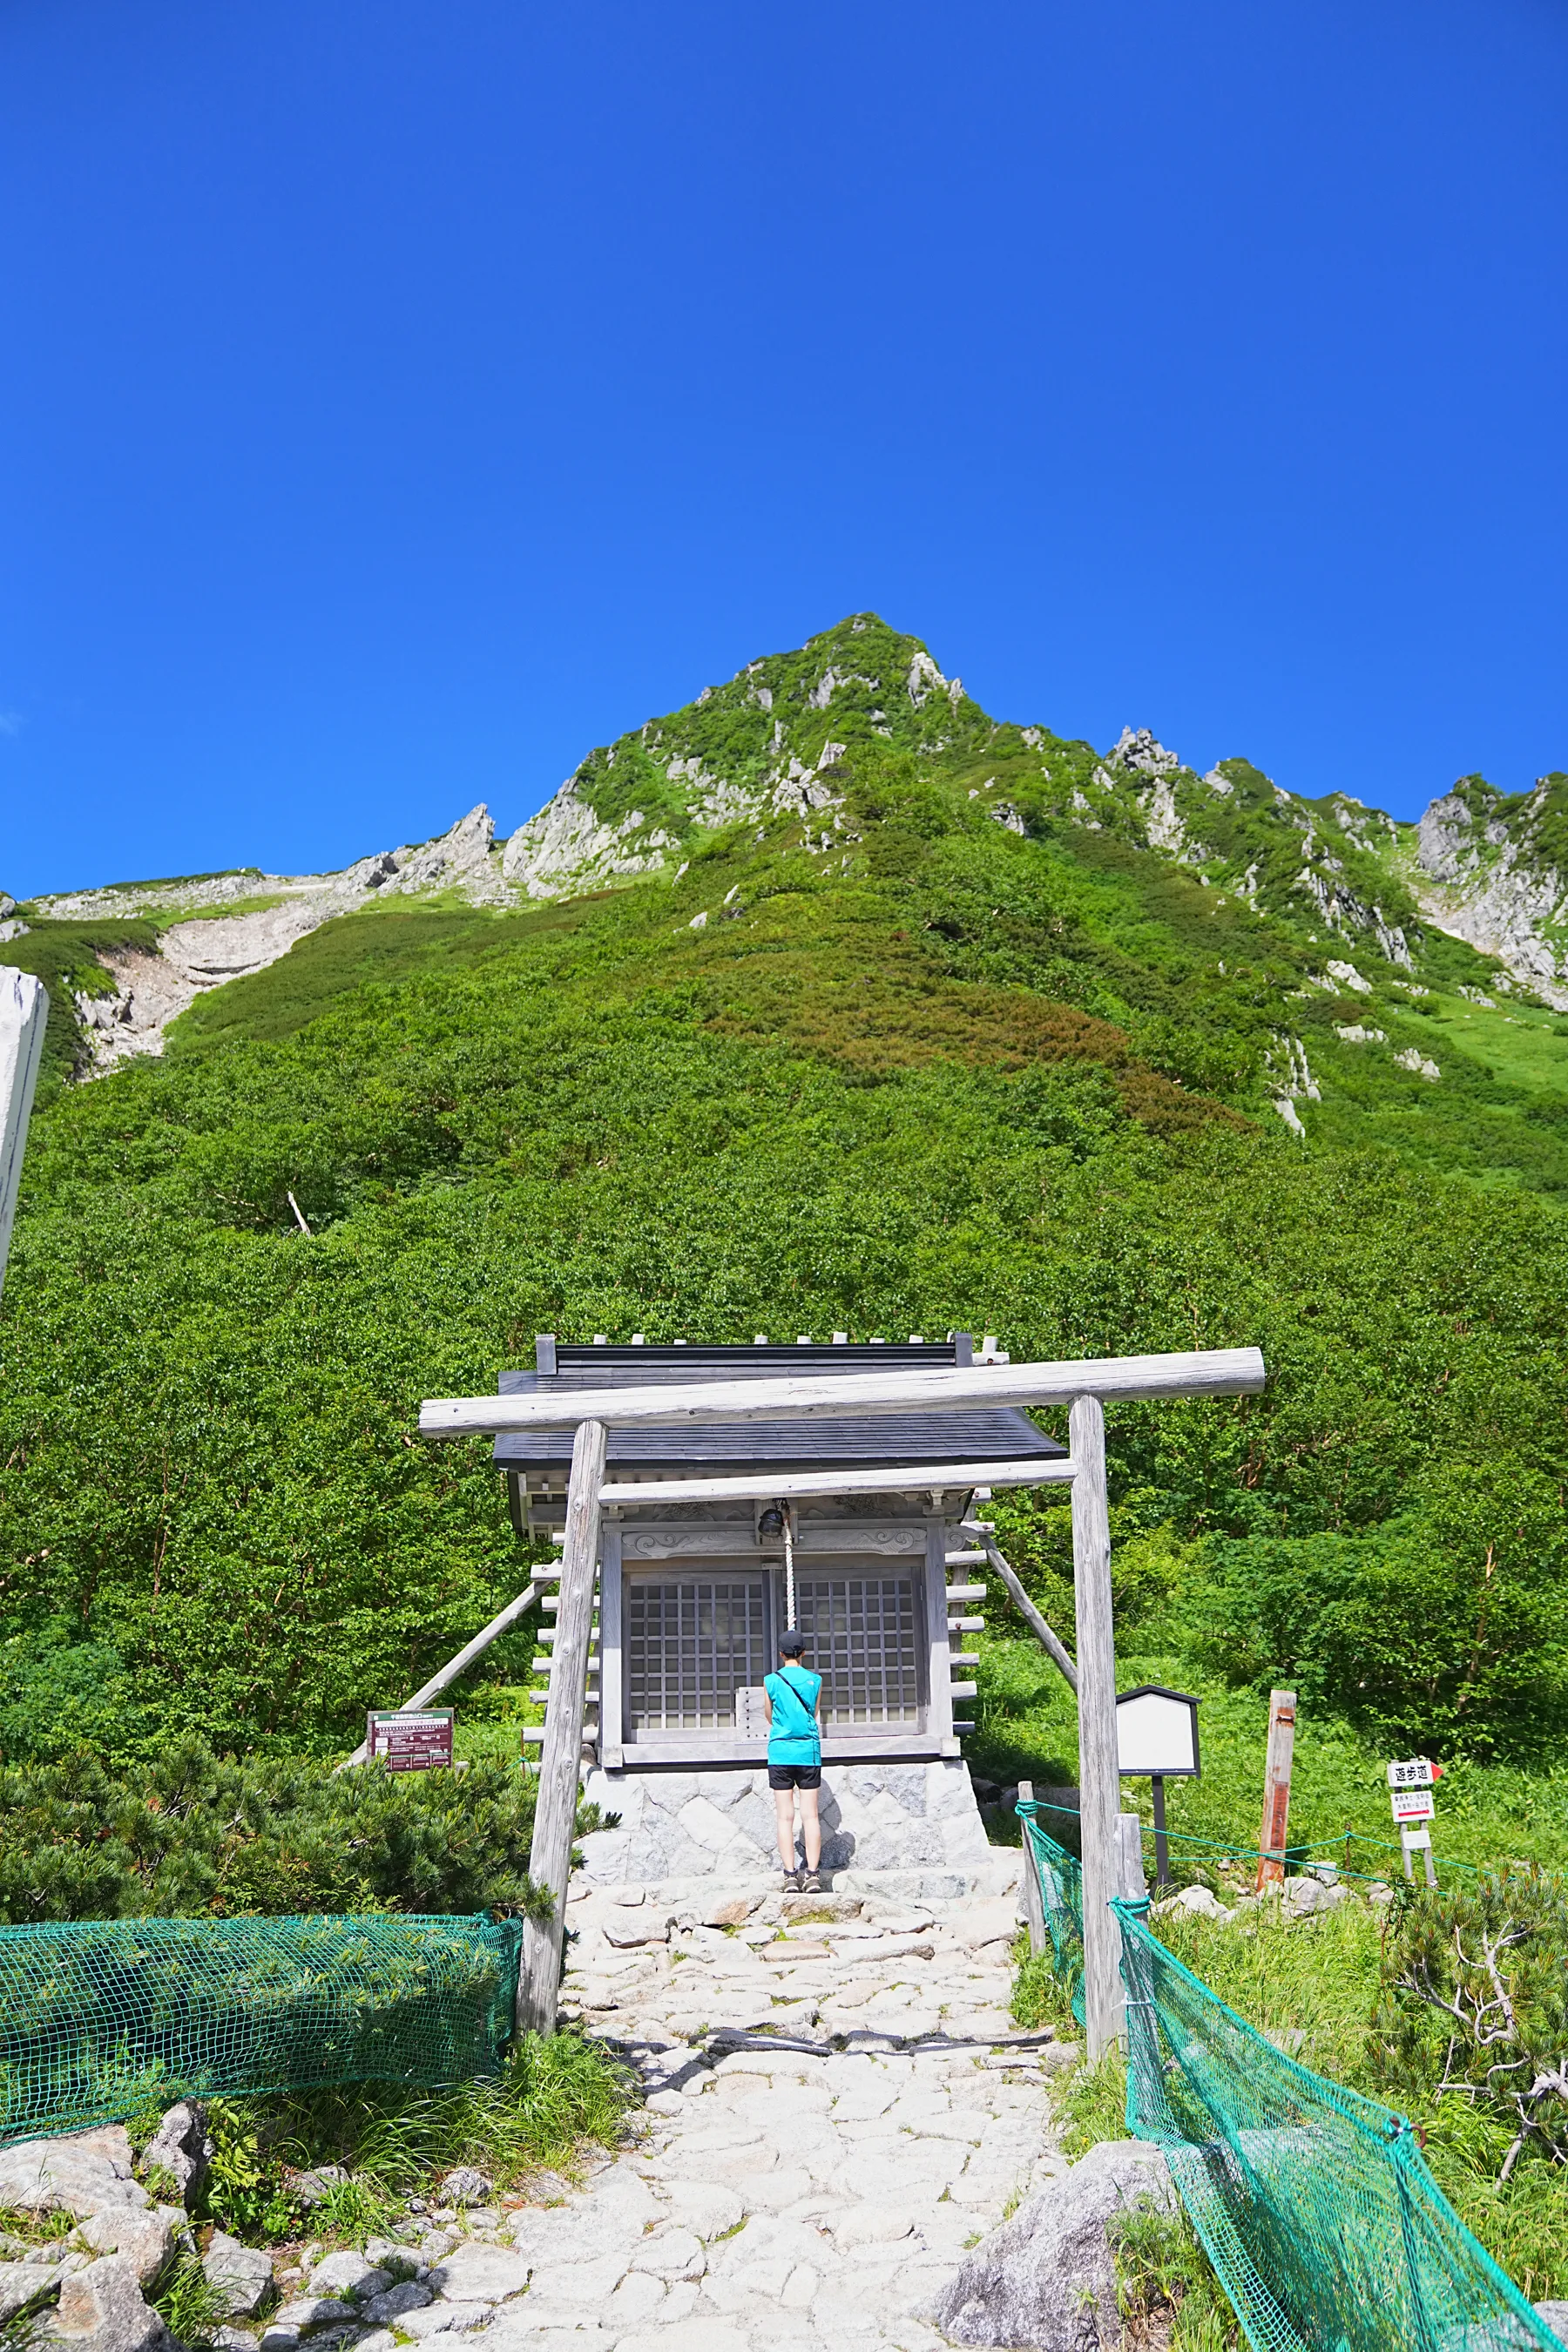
(1413, 1804)
(411, 1743)
(1419, 1773)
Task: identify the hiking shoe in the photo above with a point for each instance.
(794, 1880)
(813, 1884)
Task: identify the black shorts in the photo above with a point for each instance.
(794, 1775)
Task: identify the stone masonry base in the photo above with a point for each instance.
(905, 1829)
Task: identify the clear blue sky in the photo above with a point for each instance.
(400, 398)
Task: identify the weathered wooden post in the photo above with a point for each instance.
(1276, 1789)
(556, 1811)
(24, 1009)
(1098, 1780)
(1031, 1903)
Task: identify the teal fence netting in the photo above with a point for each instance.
(1314, 2205)
(101, 2017)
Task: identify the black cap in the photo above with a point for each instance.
(791, 1644)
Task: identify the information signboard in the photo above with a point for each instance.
(409, 1742)
(1417, 1772)
(1413, 1804)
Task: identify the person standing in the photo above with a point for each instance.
(791, 1699)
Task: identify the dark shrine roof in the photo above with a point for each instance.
(858, 1440)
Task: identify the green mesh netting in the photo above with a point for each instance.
(1060, 1882)
(1314, 2205)
(101, 2017)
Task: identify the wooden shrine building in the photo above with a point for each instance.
(694, 1596)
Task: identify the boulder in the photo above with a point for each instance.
(146, 2239)
(1047, 2279)
(84, 2174)
(22, 2283)
(240, 2275)
(101, 2310)
(180, 2146)
(1306, 1895)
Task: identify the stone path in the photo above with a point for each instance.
(772, 2196)
(835, 2109)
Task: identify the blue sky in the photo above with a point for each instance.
(399, 399)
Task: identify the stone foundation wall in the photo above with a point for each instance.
(917, 1823)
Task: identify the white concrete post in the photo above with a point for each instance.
(24, 1009)
(555, 1812)
(1100, 1789)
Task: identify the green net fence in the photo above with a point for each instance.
(1314, 2205)
(100, 2018)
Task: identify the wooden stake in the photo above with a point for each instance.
(1161, 1850)
(1276, 1789)
(1031, 1901)
(1131, 1886)
(556, 1811)
(1099, 1787)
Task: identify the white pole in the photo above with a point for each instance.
(1099, 1785)
(556, 1811)
(23, 1009)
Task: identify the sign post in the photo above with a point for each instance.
(1157, 1733)
(1411, 1801)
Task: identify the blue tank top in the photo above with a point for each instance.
(794, 1737)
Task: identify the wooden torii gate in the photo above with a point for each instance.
(1083, 1386)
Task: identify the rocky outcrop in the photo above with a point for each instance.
(101, 2309)
(1487, 874)
(152, 988)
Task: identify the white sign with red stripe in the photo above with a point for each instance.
(1413, 1804)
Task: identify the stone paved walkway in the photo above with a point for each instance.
(772, 2196)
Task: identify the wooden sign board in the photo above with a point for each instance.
(1157, 1733)
(410, 1742)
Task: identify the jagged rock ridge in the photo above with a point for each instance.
(777, 744)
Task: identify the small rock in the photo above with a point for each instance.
(465, 2184)
(1304, 1896)
(1200, 1900)
(445, 2319)
(347, 2274)
(180, 2146)
(1555, 2315)
(637, 1928)
(315, 2188)
(101, 2310)
(241, 2275)
(409, 2296)
(312, 2313)
(233, 2339)
(1061, 2057)
(732, 1913)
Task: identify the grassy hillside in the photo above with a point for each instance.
(929, 1056)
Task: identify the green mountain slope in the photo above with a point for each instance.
(887, 1034)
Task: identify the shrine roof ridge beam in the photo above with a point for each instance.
(792, 1485)
(1200, 1373)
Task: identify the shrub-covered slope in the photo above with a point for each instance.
(906, 1042)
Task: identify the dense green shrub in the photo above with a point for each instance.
(191, 1833)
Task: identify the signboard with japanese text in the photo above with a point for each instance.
(1413, 1804)
(410, 1742)
(1417, 1772)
